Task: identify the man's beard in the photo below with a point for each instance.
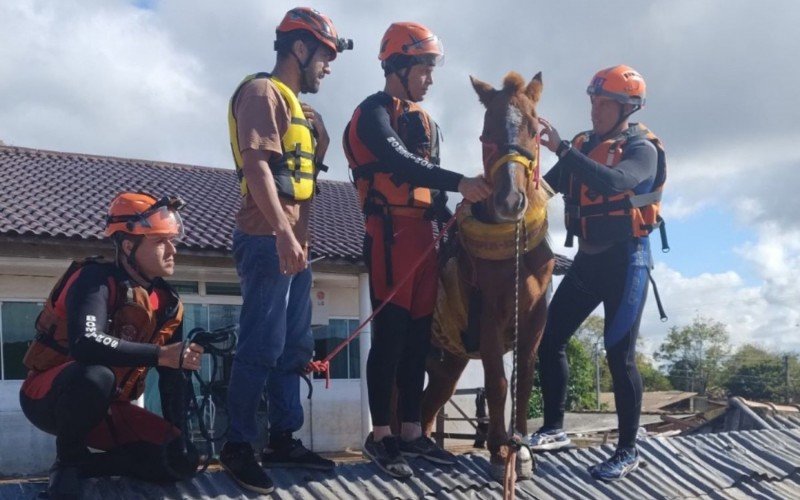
(309, 84)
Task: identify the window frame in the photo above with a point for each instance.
(344, 352)
(38, 302)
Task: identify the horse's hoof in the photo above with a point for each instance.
(525, 464)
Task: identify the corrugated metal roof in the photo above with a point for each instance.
(727, 465)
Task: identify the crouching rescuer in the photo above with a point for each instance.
(102, 328)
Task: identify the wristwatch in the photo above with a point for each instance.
(562, 148)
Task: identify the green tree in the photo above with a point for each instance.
(693, 355)
(755, 373)
(652, 378)
(590, 334)
(580, 388)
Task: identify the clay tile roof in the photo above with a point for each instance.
(65, 195)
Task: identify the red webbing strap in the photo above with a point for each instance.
(323, 366)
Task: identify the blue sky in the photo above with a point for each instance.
(705, 242)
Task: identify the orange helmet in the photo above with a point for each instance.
(621, 83)
(316, 23)
(414, 41)
(144, 214)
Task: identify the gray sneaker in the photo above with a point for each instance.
(386, 455)
(426, 448)
(548, 439)
(622, 462)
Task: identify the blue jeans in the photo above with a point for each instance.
(275, 341)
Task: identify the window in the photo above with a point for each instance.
(346, 364)
(223, 289)
(186, 287)
(16, 332)
(208, 317)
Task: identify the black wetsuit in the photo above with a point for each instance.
(614, 273)
(401, 337)
(75, 400)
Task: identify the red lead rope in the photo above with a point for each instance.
(323, 366)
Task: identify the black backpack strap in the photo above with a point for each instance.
(661, 311)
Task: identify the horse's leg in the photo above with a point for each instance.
(540, 262)
(443, 374)
(531, 331)
(494, 375)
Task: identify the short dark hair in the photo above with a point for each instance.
(284, 41)
(396, 62)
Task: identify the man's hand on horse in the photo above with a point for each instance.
(548, 135)
(474, 189)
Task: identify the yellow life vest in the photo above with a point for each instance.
(497, 241)
(295, 172)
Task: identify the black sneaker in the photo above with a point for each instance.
(426, 448)
(64, 483)
(293, 454)
(387, 456)
(240, 462)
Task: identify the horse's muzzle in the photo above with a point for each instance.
(508, 200)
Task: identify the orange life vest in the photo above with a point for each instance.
(131, 318)
(599, 218)
(379, 192)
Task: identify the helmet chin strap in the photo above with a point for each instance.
(303, 66)
(130, 264)
(402, 74)
(622, 117)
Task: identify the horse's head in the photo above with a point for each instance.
(510, 146)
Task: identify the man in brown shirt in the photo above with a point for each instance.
(278, 145)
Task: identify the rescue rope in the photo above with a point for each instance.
(323, 365)
(509, 476)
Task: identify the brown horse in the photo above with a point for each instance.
(484, 267)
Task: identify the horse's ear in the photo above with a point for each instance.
(484, 90)
(534, 88)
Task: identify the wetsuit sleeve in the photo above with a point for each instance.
(554, 178)
(87, 318)
(638, 164)
(172, 387)
(375, 131)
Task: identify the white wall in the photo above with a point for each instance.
(24, 449)
(333, 418)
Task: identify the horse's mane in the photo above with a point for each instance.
(513, 82)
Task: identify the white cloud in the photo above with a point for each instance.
(765, 313)
(99, 79)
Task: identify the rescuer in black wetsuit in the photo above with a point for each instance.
(612, 178)
(392, 146)
(102, 327)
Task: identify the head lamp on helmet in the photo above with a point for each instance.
(317, 24)
(142, 214)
